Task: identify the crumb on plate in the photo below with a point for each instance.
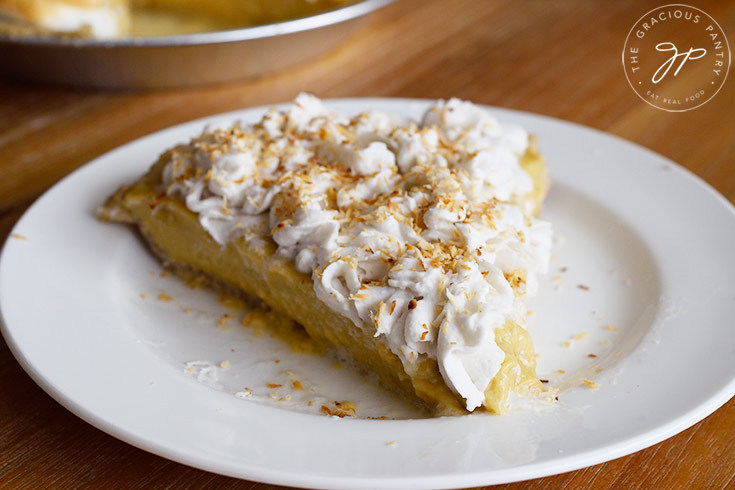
(591, 384)
(223, 321)
(165, 297)
(339, 409)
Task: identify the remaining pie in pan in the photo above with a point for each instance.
(408, 249)
(79, 18)
(120, 18)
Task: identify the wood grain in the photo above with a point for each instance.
(557, 58)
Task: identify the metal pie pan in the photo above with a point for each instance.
(179, 61)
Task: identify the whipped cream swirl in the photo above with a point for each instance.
(418, 232)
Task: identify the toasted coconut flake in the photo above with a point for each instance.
(591, 384)
(165, 297)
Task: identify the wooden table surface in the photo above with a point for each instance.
(558, 58)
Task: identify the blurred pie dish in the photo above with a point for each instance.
(107, 19)
(408, 249)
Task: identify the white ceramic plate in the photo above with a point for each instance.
(651, 244)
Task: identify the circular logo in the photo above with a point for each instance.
(676, 57)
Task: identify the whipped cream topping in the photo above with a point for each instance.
(418, 232)
(103, 18)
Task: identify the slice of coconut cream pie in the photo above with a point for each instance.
(409, 249)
